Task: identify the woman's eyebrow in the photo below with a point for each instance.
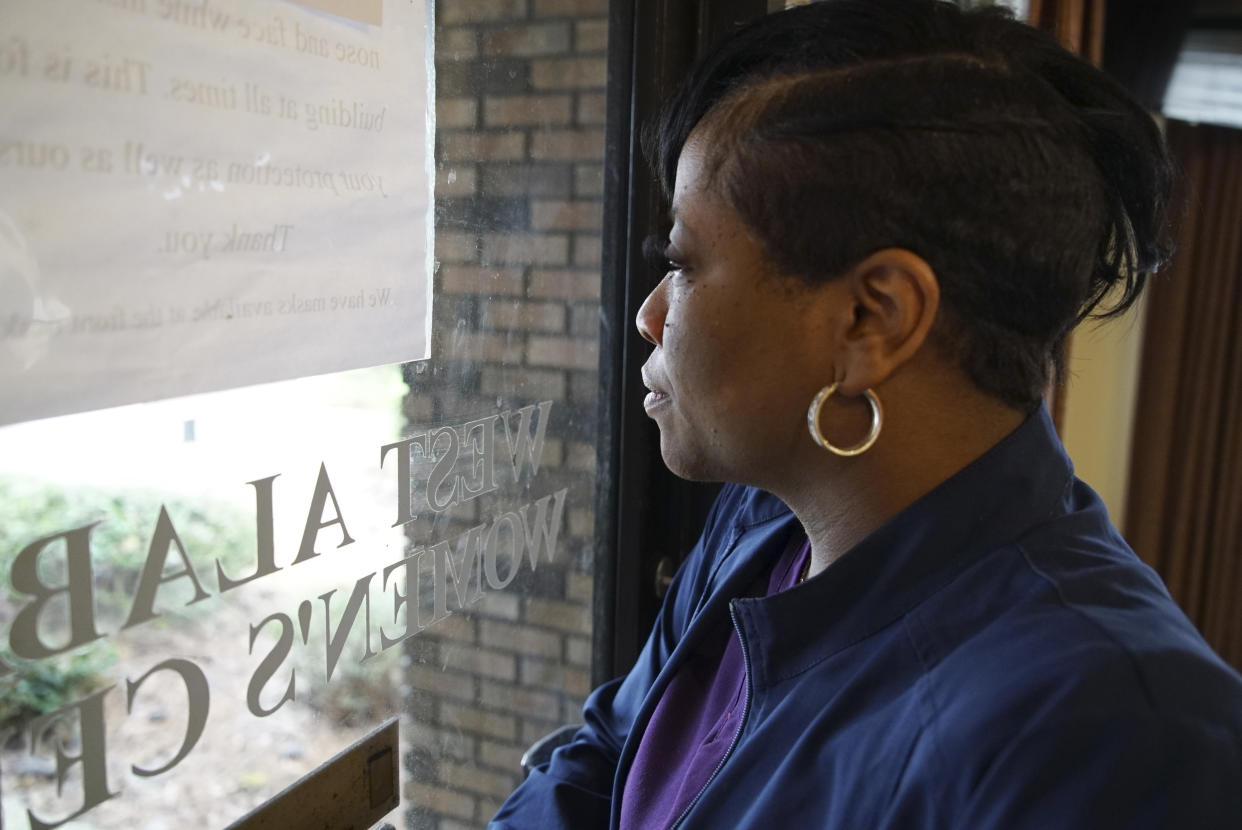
(684, 231)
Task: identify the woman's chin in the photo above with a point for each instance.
(683, 461)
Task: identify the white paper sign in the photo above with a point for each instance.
(203, 194)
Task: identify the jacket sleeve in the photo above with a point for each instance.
(574, 789)
(1113, 770)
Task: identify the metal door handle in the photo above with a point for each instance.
(666, 569)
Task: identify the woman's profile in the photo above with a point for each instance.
(904, 610)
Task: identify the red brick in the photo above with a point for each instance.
(548, 675)
(520, 638)
(528, 41)
(551, 455)
(522, 701)
(456, 247)
(567, 145)
(528, 383)
(578, 651)
(571, 709)
(588, 251)
(583, 388)
(457, 44)
(527, 110)
(565, 352)
(484, 662)
(472, 779)
(425, 679)
(495, 146)
(479, 722)
(563, 616)
(569, 73)
(582, 523)
(588, 180)
(592, 109)
(456, 113)
(565, 285)
(579, 586)
(456, 628)
(465, 279)
(474, 11)
(505, 756)
(548, 317)
(497, 603)
(490, 348)
(440, 800)
(581, 457)
(534, 729)
(449, 741)
(582, 215)
(584, 320)
(590, 36)
(537, 249)
(571, 8)
(547, 179)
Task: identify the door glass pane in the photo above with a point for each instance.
(260, 576)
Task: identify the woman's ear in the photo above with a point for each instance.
(895, 297)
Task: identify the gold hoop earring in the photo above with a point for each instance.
(812, 422)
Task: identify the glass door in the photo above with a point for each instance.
(213, 584)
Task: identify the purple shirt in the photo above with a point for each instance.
(696, 720)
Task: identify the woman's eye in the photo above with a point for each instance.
(655, 254)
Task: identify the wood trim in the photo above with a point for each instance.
(355, 789)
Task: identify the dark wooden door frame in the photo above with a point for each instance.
(643, 512)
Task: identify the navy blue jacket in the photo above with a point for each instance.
(993, 657)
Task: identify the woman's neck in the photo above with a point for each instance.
(841, 501)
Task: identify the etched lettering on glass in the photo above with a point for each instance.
(444, 569)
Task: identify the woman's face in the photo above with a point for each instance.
(740, 349)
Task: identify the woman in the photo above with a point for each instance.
(904, 611)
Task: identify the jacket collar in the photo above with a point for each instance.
(1018, 484)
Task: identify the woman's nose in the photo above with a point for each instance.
(650, 320)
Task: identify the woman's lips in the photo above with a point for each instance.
(657, 397)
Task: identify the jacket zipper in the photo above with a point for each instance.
(737, 735)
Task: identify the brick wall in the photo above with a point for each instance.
(519, 153)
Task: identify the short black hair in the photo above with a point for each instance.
(1032, 183)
